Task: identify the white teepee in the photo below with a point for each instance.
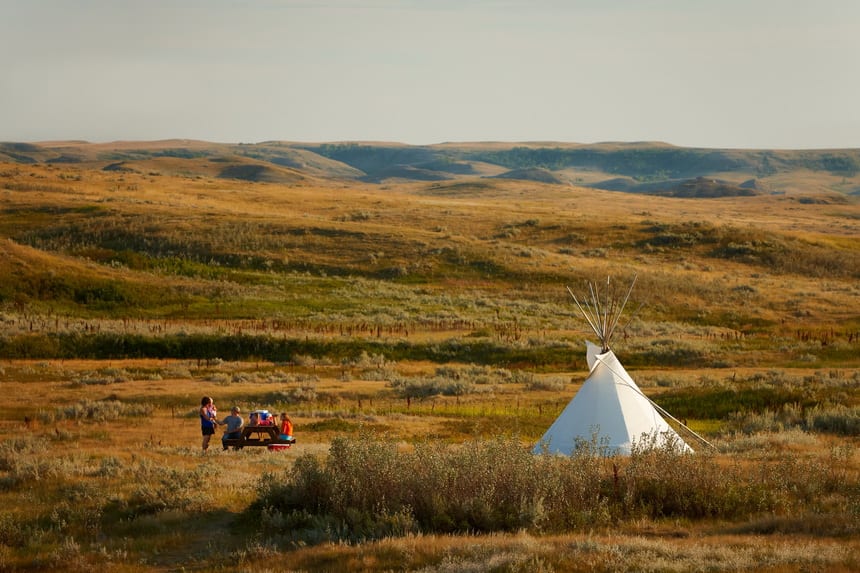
(610, 406)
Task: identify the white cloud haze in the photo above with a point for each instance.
(731, 73)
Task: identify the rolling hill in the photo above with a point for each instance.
(407, 307)
(630, 167)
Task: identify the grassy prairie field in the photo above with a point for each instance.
(421, 337)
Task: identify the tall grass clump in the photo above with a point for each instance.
(366, 489)
(20, 461)
(836, 419)
(826, 418)
(659, 482)
(160, 489)
(96, 411)
(422, 387)
(369, 487)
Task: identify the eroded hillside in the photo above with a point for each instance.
(485, 258)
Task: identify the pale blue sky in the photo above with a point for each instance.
(709, 73)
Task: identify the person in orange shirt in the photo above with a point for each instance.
(286, 427)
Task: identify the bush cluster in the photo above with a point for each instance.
(367, 489)
(828, 418)
(164, 489)
(96, 410)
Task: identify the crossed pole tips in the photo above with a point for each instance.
(603, 312)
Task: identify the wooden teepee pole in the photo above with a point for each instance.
(602, 312)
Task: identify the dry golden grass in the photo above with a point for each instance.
(404, 225)
(213, 535)
(495, 253)
(661, 550)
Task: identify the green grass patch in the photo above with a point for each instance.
(332, 425)
(707, 403)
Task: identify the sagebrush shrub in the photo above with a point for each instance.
(96, 411)
(367, 488)
(161, 489)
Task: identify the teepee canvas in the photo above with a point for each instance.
(610, 406)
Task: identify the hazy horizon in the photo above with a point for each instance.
(731, 74)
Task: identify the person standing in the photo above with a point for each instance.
(208, 420)
(234, 423)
